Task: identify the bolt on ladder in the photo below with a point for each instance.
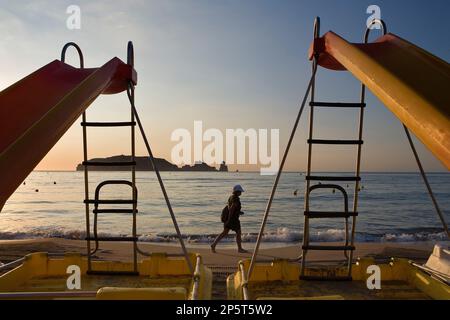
(129, 163)
(308, 213)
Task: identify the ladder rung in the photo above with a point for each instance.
(110, 201)
(328, 248)
(329, 178)
(344, 142)
(112, 273)
(337, 104)
(108, 124)
(114, 211)
(329, 214)
(125, 239)
(324, 278)
(109, 164)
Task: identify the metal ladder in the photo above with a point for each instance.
(131, 164)
(345, 214)
(97, 201)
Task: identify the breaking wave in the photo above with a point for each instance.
(281, 235)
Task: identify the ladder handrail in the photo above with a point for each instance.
(332, 186)
(360, 133)
(308, 189)
(344, 193)
(374, 22)
(85, 156)
(80, 53)
(130, 61)
(97, 197)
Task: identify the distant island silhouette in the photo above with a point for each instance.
(144, 164)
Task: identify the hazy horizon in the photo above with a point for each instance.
(231, 64)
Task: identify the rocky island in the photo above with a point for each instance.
(144, 164)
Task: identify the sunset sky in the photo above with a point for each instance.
(229, 63)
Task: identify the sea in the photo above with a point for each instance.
(393, 207)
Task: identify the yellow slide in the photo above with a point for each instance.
(411, 82)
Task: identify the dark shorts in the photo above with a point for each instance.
(234, 225)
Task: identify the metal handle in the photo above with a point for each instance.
(197, 278)
(130, 53)
(332, 186)
(344, 193)
(317, 27)
(97, 197)
(244, 282)
(374, 22)
(80, 53)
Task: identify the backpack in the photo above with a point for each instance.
(225, 213)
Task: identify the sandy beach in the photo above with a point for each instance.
(226, 256)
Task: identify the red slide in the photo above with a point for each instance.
(36, 111)
(410, 81)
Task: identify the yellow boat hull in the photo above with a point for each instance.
(280, 280)
(161, 277)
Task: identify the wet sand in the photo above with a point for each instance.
(226, 256)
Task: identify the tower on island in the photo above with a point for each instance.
(223, 167)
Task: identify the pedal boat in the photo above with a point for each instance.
(160, 277)
(280, 279)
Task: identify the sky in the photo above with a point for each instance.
(228, 63)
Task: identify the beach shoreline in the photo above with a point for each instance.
(227, 255)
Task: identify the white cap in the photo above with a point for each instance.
(238, 188)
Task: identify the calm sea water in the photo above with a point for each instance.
(393, 207)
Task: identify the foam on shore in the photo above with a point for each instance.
(281, 235)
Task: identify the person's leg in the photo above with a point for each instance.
(219, 237)
(239, 241)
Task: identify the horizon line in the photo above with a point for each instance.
(250, 171)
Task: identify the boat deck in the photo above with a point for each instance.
(95, 282)
(355, 290)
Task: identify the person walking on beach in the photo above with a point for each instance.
(230, 219)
